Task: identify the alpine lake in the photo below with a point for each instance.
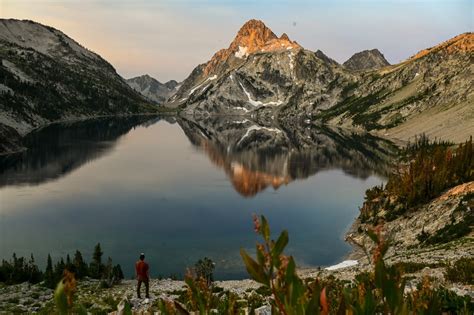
(180, 190)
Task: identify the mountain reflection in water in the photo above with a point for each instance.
(58, 149)
(255, 157)
(170, 186)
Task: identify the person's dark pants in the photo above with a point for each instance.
(147, 287)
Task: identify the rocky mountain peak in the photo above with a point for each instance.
(365, 60)
(325, 58)
(171, 84)
(253, 33)
(254, 36)
(146, 78)
(151, 88)
(284, 36)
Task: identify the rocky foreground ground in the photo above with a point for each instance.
(35, 298)
(26, 298)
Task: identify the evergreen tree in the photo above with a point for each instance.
(59, 270)
(69, 265)
(7, 272)
(97, 256)
(34, 274)
(3, 271)
(118, 273)
(79, 265)
(15, 276)
(48, 274)
(19, 270)
(96, 266)
(107, 275)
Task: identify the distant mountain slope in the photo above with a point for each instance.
(366, 60)
(46, 76)
(152, 88)
(261, 74)
(432, 92)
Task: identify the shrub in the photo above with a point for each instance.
(204, 268)
(462, 271)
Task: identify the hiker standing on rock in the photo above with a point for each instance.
(143, 275)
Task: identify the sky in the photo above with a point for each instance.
(168, 38)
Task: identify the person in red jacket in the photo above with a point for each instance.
(142, 272)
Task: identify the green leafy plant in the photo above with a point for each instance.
(381, 291)
(200, 296)
(291, 295)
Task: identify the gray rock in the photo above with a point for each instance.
(264, 310)
(152, 88)
(366, 60)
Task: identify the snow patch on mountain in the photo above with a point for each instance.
(242, 52)
(258, 103)
(199, 85)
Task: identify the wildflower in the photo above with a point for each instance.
(69, 282)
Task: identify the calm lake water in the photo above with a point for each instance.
(180, 190)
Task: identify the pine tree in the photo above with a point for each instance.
(17, 269)
(34, 274)
(108, 272)
(69, 265)
(79, 265)
(96, 267)
(59, 270)
(118, 273)
(97, 256)
(48, 274)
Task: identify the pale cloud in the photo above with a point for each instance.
(167, 39)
